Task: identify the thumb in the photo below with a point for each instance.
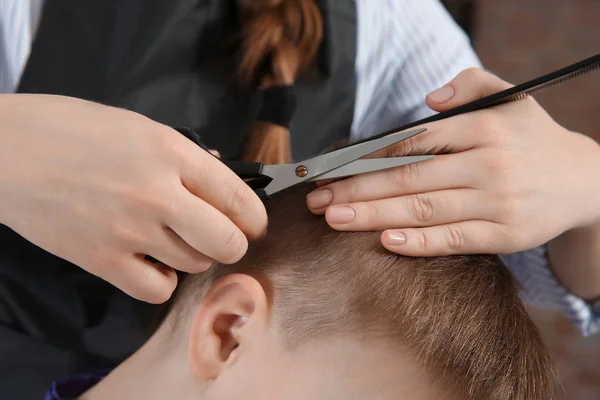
(470, 85)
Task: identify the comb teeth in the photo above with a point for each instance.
(518, 96)
(549, 85)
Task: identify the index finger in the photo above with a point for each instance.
(209, 179)
(451, 135)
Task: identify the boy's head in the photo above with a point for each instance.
(311, 313)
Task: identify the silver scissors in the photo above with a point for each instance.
(266, 180)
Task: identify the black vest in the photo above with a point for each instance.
(170, 60)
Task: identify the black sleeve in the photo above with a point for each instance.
(57, 320)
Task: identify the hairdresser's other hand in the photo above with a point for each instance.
(102, 187)
(515, 179)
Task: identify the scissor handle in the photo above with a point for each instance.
(245, 170)
(192, 135)
(261, 194)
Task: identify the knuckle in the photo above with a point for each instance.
(402, 148)
(495, 164)
(413, 171)
(499, 176)
(161, 199)
(454, 237)
(421, 208)
(165, 206)
(247, 210)
(422, 240)
(156, 294)
(373, 214)
(472, 73)
(125, 234)
(476, 75)
(238, 200)
(195, 263)
(404, 175)
(501, 167)
(234, 247)
(486, 125)
(153, 201)
(151, 289)
(407, 146)
(472, 76)
(353, 191)
(169, 142)
(201, 266)
(490, 126)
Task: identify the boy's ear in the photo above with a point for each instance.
(232, 314)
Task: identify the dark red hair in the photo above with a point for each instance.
(281, 39)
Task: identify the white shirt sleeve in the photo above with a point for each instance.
(406, 49)
(540, 287)
(18, 22)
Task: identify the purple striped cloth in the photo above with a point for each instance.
(73, 387)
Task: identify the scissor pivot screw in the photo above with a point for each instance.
(301, 171)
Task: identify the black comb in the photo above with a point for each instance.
(514, 93)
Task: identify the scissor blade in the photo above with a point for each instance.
(330, 161)
(288, 175)
(370, 165)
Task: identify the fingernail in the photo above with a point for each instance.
(319, 198)
(442, 95)
(396, 238)
(340, 215)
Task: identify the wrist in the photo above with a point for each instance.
(595, 182)
(590, 181)
(575, 260)
(7, 149)
(575, 254)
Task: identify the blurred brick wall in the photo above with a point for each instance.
(577, 358)
(519, 40)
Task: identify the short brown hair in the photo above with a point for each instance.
(459, 316)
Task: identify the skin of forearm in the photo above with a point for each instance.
(575, 255)
(575, 260)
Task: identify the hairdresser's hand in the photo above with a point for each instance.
(102, 187)
(515, 179)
